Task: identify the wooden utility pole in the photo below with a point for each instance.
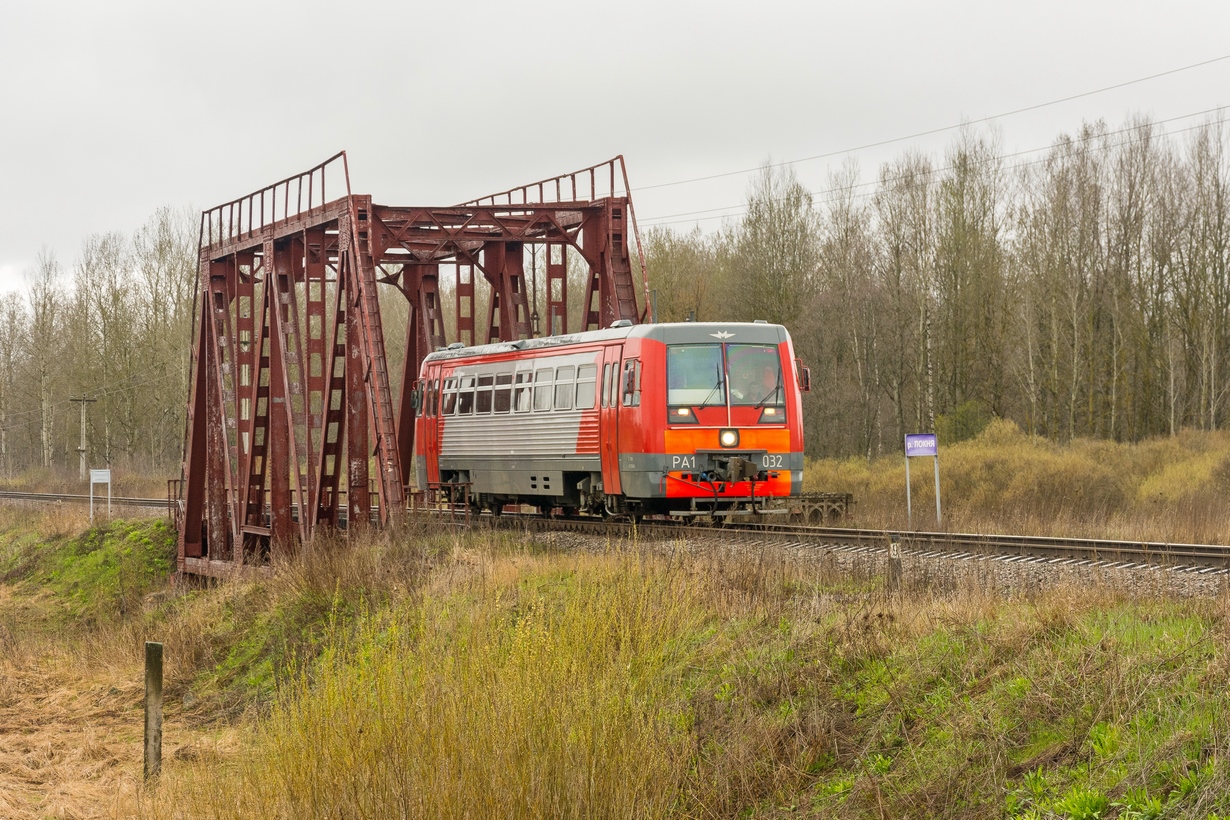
(81, 447)
(153, 709)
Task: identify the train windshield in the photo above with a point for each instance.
(702, 375)
(695, 375)
(755, 375)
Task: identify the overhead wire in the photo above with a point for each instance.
(27, 418)
(741, 209)
(940, 130)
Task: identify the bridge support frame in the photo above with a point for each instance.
(292, 405)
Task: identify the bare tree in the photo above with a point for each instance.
(46, 297)
(12, 331)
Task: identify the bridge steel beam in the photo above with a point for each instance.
(295, 422)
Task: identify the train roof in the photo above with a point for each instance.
(672, 332)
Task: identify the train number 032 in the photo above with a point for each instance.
(771, 461)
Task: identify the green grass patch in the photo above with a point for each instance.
(97, 575)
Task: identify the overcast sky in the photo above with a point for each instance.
(110, 110)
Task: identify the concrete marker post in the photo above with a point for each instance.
(153, 709)
(894, 566)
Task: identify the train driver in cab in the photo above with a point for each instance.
(756, 377)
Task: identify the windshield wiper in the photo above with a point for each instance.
(776, 391)
(720, 381)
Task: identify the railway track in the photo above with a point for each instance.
(1199, 558)
(67, 498)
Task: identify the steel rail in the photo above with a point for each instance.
(53, 498)
(939, 544)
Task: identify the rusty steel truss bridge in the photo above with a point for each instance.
(294, 419)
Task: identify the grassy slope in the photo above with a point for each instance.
(490, 675)
(517, 682)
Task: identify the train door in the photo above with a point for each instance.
(608, 419)
(431, 418)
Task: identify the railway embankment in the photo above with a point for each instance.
(494, 673)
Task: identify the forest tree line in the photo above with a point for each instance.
(112, 328)
(1081, 294)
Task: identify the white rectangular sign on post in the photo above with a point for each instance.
(916, 445)
(100, 477)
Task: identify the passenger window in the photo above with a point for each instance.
(523, 392)
(606, 377)
(563, 387)
(482, 403)
(465, 396)
(503, 392)
(450, 397)
(586, 374)
(542, 389)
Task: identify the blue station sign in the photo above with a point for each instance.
(921, 444)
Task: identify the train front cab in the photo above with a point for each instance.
(710, 419)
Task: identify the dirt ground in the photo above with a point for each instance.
(72, 727)
(70, 740)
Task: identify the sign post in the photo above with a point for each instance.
(100, 477)
(916, 445)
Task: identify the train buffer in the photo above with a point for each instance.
(818, 509)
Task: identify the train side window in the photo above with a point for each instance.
(503, 392)
(429, 397)
(450, 397)
(586, 374)
(482, 399)
(523, 392)
(433, 406)
(632, 383)
(542, 389)
(606, 387)
(465, 396)
(564, 377)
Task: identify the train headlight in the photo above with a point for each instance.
(772, 415)
(729, 438)
(682, 415)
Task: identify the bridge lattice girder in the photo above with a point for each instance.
(291, 407)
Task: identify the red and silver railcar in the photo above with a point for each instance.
(681, 419)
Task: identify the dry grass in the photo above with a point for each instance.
(524, 683)
(423, 673)
(131, 482)
(1167, 489)
(493, 695)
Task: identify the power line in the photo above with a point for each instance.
(940, 130)
(31, 417)
(741, 209)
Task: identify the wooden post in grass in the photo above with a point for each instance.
(153, 709)
(894, 566)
